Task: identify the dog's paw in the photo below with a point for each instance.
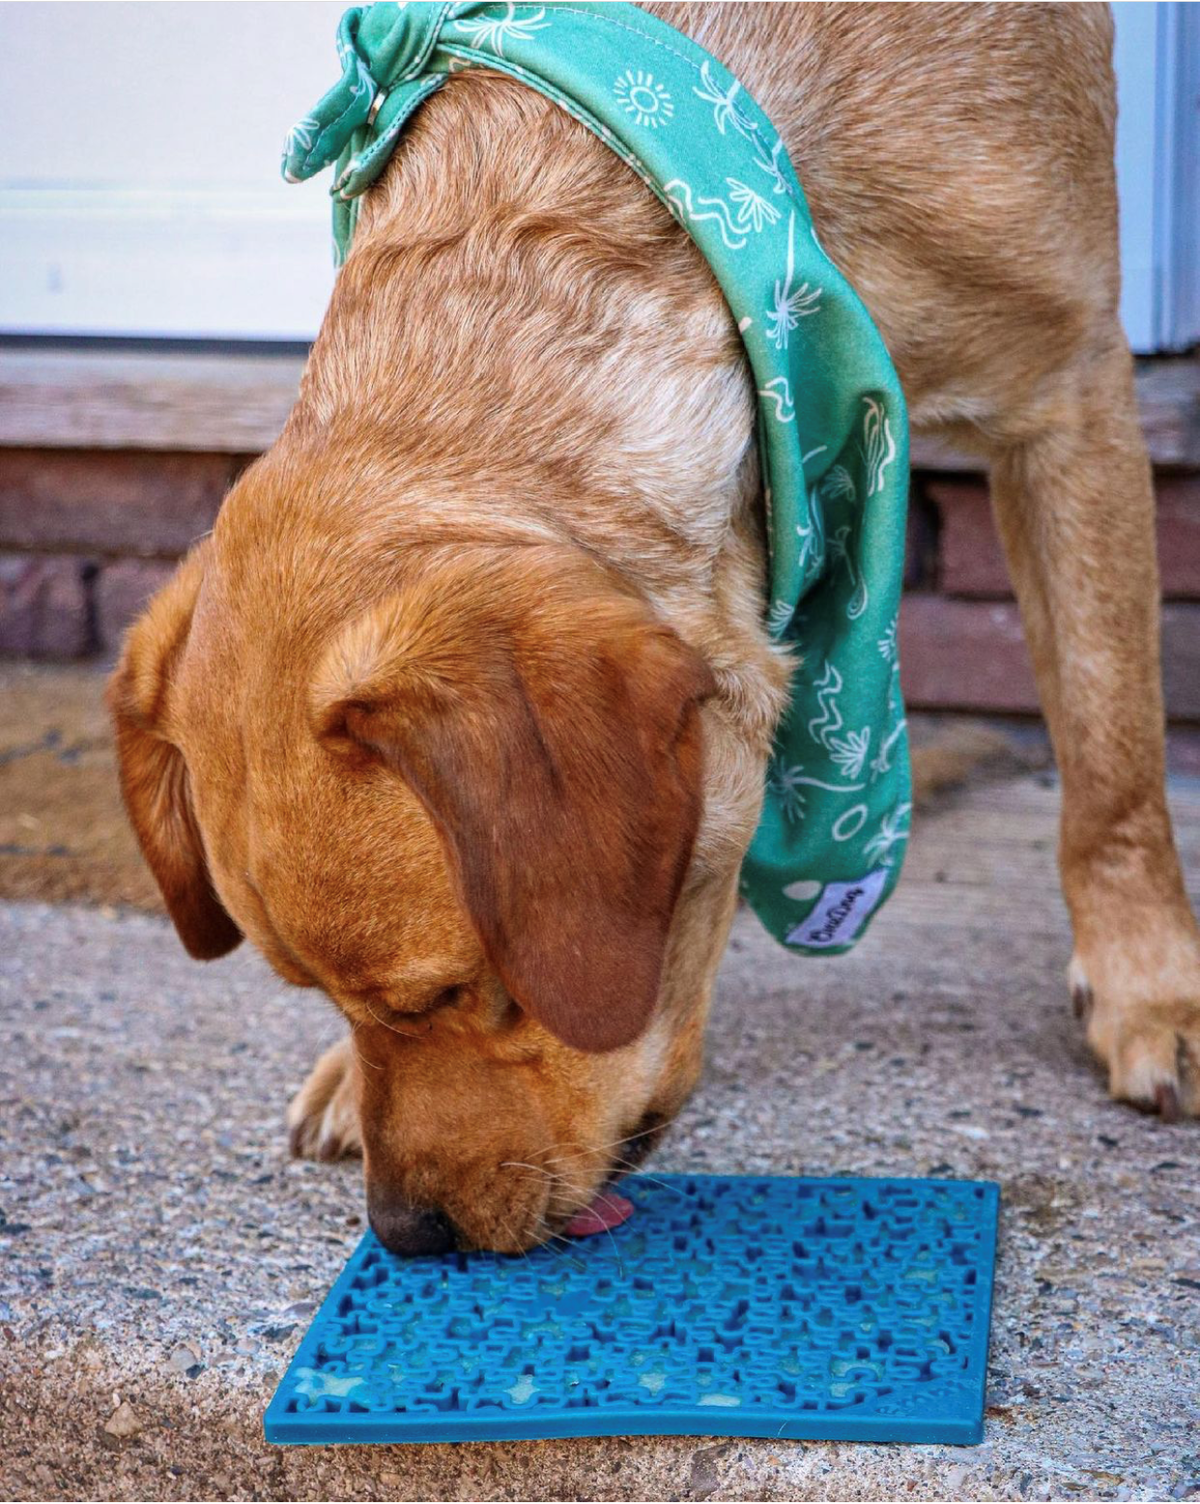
(1148, 1039)
(322, 1117)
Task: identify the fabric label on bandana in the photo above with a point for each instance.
(840, 912)
(832, 425)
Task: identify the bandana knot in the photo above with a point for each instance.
(381, 48)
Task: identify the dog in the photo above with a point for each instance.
(462, 711)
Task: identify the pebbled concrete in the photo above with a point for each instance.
(160, 1255)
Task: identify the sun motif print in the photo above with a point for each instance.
(831, 427)
(648, 102)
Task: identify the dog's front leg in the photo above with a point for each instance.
(1075, 507)
(323, 1115)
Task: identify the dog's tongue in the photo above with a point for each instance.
(608, 1210)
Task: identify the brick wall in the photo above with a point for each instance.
(86, 536)
(962, 646)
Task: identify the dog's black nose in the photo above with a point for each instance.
(408, 1229)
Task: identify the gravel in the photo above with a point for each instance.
(160, 1255)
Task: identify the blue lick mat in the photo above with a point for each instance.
(851, 1310)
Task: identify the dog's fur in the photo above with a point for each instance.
(462, 711)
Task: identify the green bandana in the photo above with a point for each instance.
(833, 430)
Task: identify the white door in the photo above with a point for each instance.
(140, 192)
(1157, 57)
(139, 168)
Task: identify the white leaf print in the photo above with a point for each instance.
(790, 306)
(811, 533)
(299, 138)
(892, 831)
(787, 784)
(839, 551)
(881, 763)
(838, 485)
(769, 162)
(753, 211)
(849, 753)
(492, 32)
(302, 134)
(779, 617)
(725, 112)
(363, 82)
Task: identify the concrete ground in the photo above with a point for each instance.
(160, 1255)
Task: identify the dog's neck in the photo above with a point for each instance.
(531, 347)
(522, 323)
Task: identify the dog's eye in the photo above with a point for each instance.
(448, 997)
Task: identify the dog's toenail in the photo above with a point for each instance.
(1166, 1099)
(1082, 1001)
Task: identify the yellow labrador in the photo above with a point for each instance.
(461, 714)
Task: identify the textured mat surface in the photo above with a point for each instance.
(744, 1306)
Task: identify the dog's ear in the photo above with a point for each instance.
(154, 777)
(549, 725)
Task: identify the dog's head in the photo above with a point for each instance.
(465, 808)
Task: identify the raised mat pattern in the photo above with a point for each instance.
(741, 1306)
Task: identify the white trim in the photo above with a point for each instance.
(212, 245)
(1177, 181)
(1135, 58)
(183, 263)
(1158, 172)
